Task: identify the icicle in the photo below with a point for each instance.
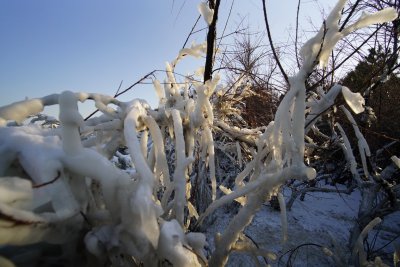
(282, 207)
(151, 161)
(346, 147)
(158, 144)
(211, 160)
(144, 142)
(70, 121)
(298, 119)
(239, 154)
(180, 174)
(131, 123)
(362, 143)
(159, 90)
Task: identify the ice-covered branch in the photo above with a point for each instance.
(362, 143)
(348, 152)
(329, 35)
(19, 111)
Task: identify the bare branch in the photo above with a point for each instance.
(124, 91)
(191, 31)
(272, 45)
(350, 14)
(297, 33)
(211, 36)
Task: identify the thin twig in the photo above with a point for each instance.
(49, 182)
(297, 32)
(226, 24)
(350, 14)
(191, 31)
(272, 45)
(119, 87)
(211, 35)
(124, 91)
(136, 83)
(344, 60)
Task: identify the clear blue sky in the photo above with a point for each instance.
(50, 46)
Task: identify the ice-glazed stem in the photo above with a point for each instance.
(317, 107)
(254, 201)
(180, 170)
(70, 119)
(348, 152)
(211, 160)
(161, 159)
(298, 120)
(282, 207)
(21, 110)
(362, 143)
(132, 141)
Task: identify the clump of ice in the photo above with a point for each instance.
(206, 12)
(355, 100)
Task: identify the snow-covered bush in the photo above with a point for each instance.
(60, 182)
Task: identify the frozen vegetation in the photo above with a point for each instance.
(61, 184)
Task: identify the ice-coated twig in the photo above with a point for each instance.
(362, 143)
(180, 174)
(19, 111)
(132, 123)
(359, 247)
(161, 160)
(211, 160)
(348, 152)
(332, 35)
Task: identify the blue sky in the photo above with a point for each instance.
(50, 46)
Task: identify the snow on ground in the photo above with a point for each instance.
(321, 220)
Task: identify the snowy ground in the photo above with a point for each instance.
(322, 219)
